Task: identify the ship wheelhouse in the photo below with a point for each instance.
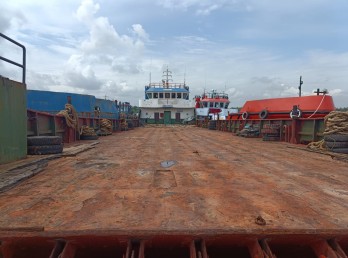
(166, 102)
(212, 105)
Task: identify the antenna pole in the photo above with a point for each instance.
(300, 87)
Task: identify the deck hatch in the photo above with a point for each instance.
(164, 179)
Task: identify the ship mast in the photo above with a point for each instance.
(168, 77)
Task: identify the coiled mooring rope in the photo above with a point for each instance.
(336, 122)
(87, 130)
(71, 116)
(106, 126)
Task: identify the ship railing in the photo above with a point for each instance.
(215, 95)
(23, 65)
(168, 85)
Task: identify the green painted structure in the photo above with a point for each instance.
(13, 120)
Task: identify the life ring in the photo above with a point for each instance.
(263, 114)
(298, 115)
(245, 115)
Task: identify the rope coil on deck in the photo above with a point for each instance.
(87, 130)
(336, 122)
(105, 126)
(71, 116)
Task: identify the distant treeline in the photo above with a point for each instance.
(342, 109)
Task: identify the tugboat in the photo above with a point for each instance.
(213, 105)
(166, 102)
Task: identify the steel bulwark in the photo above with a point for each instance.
(13, 140)
(301, 130)
(175, 246)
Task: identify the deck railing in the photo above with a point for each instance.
(23, 65)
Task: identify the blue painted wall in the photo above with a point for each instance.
(53, 102)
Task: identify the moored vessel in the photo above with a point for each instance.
(166, 102)
(213, 105)
(314, 106)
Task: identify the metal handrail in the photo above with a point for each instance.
(23, 66)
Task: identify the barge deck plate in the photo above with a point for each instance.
(185, 182)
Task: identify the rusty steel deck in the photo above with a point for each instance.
(188, 186)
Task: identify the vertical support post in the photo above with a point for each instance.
(69, 251)
(37, 124)
(58, 249)
(294, 131)
(314, 129)
(323, 250)
(129, 248)
(337, 248)
(255, 249)
(266, 249)
(6, 250)
(204, 249)
(142, 249)
(193, 249)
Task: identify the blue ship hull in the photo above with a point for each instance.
(85, 105)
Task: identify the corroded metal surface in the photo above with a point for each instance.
(218, 185)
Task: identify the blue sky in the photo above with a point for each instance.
(251, 49)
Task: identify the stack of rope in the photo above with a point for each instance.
(123, 115)
(71, 116)
(124, 125)
(105, 126)
(87, 130)
(336, 123)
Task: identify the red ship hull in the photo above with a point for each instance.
(315, 106)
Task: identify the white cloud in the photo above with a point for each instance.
(208, 9)
(87, 9)
(105, 54)
(11, 18)
(140, 32)
(202, 7)
(335, 92)
(237, 46)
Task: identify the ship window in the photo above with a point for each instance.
(216, 104)
(211, 104)
(221, 105)
(155, 95)
(173, 95)
(167, 95)
(184, 95)
(205, 104)
(179, 95)
(149, 95)
(226, 105)
(161, 95)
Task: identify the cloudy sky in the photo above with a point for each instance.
(250, 49)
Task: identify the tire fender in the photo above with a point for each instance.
(263, 114)
(245, 115)
(296, 116)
